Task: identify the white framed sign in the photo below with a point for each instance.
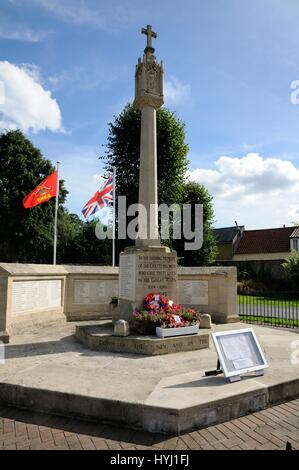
(239, 352)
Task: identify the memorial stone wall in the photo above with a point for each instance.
(32, 294)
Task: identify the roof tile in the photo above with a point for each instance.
(273, 240)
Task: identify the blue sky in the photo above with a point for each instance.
(68, 66)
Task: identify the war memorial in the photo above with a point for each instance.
(69, 348)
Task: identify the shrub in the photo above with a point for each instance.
(291, 266)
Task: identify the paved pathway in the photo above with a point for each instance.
(268, 429)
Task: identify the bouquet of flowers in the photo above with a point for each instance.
(159, 303)
(159, 311)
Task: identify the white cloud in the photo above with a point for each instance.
(256, 191)
(176, 92)
(108, 16)
(19, 33)
(27, 105)
(2, 93)
(32, 70)
(74, 11)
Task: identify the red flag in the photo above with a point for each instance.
(43, 192)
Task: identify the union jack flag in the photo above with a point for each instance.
(102, 198)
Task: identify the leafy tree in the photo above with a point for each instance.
(123, 152)
(69, 229)
(291, 267)
(84, 247)
(195, 193)
(26, 235)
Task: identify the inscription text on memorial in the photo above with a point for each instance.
(36, 295)
(157, 273)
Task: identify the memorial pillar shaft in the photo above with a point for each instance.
(148, 99)
(148, 186)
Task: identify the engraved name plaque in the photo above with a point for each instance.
(36, 295)
(92, 291)
(127, 277)
(194, 292)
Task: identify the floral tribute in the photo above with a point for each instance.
(159, 311)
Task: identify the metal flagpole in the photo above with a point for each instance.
(56, 215)
(114, 216)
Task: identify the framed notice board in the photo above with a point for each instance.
(239, 352)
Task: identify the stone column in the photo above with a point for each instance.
(148, 186)
(148, 99)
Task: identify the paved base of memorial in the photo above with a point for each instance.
(47, 370)
(100, 338)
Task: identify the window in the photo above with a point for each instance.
(295, 244)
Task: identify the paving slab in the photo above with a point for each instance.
(47, 370)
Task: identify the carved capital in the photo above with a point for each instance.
(148, 99)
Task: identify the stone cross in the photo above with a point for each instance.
(148, 99)
(150, 34)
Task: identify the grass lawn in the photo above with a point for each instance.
(260, 300)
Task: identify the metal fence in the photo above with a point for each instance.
(275, 309)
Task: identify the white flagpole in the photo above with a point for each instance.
(56, 216)
(114, 215)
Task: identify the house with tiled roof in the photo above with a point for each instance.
(267, 244)
(263, 249)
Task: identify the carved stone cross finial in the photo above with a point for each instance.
(150, 34)
(148, 76)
